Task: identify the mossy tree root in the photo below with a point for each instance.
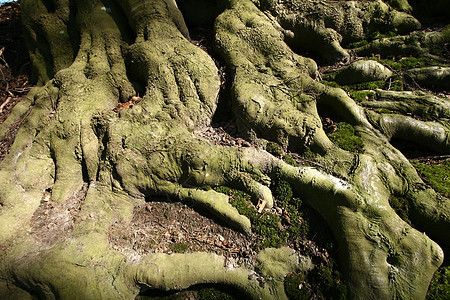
(78, 138)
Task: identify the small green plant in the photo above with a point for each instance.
(345, 138)
(437, 175)
(440, 285)
(274, 149)
(179, 247)
(166, 214)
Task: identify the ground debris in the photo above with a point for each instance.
(15, 68)
(170, 227)
(218, 136)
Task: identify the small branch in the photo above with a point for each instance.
(22, 90)
(1, 57)
(234, 77)
(4, 104)
(433, 157)
(53, 103)
(19, 122)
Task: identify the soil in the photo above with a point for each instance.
(52, 221)
(175, 227)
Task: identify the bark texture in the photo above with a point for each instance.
(91, 56)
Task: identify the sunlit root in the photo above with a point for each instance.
(430, 135)
(417, 103)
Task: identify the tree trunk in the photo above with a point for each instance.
(114, 123)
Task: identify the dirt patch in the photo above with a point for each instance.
(221, 136)
(51, 221)
(170, 227)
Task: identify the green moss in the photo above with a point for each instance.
(359, 44)
(331, 83)
(200, 292)
(296, 287)
(345, 138)
(374, 36)
(213, 294)
(179, 247)
(406, 63)
(268, 225)
(370, 85)
(274, 149)
(377, 35)
(299, 226)
(383, 111)
(412, 62)
(324, 282)
(331, 285)
(401, 207)
(439, 51)
(290, 160)
(283, 192)
(397, 85)
(440, 285)
(437, 175)
(360, 96)
(292, 205)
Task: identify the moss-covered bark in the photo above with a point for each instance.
(90, 56)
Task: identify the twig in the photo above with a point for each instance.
(53, 103)
(182, 227)
(234, 77)
(1, 57)
(22, 90)
(4, 104)
(19, 122)
(436, 157)
(414, 81)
